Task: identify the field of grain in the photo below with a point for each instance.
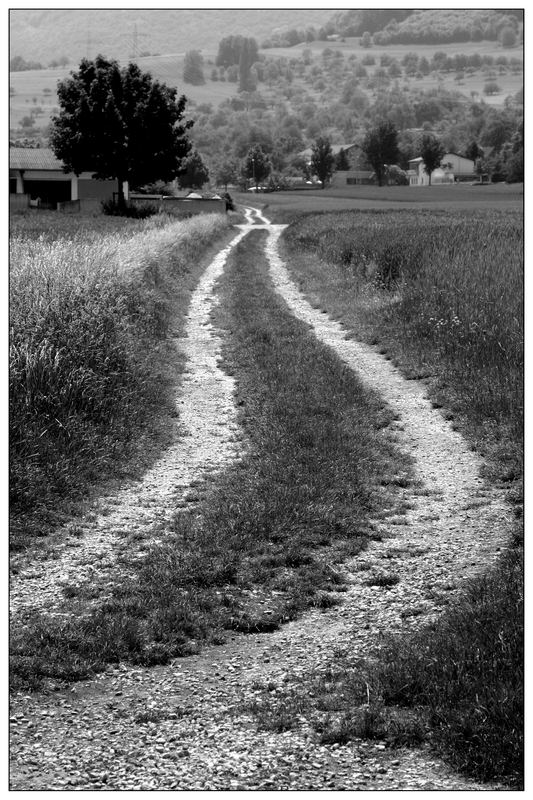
(287, 206)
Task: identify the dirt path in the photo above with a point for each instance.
(205, 440)
(186, 727)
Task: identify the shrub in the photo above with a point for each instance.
(131, 210)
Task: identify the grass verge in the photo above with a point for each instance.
(91, 362)
(264, 543)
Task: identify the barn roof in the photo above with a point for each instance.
(33, 158)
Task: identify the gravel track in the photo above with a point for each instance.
(185, 726)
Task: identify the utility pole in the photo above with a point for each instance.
(136, 36)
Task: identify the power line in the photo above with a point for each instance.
(135, 41)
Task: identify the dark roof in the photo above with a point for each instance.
(335, 149)
(458, 155)
(33, 158)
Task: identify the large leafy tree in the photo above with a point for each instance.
(119, 123)
(380, 147)
(322, 160)
(432, 151)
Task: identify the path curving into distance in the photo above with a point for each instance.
(186, 726)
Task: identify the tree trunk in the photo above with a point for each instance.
(121, 198)
(429, 176)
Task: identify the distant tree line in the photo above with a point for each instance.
(404, 26)
(439, 27)
(19, 64)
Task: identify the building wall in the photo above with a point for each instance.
(459, 165)
(351, 178)
(419, 177)
(19, 202)
(90, 189)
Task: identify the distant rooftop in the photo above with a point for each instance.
(335, 149)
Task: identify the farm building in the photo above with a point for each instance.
(358, 172)
(453, 168)
(352, 177)
(36, 177)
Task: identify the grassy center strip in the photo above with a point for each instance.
(266, 541)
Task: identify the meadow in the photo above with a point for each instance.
(291, 205)
(90, 302)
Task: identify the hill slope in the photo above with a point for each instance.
(43, 35)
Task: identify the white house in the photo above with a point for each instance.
(35, 174)
(453, 168)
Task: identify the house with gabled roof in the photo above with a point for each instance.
(37, 178)
(453, 168)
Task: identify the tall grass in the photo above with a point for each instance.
(89, 313)
(442, 292)
(468, 676)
